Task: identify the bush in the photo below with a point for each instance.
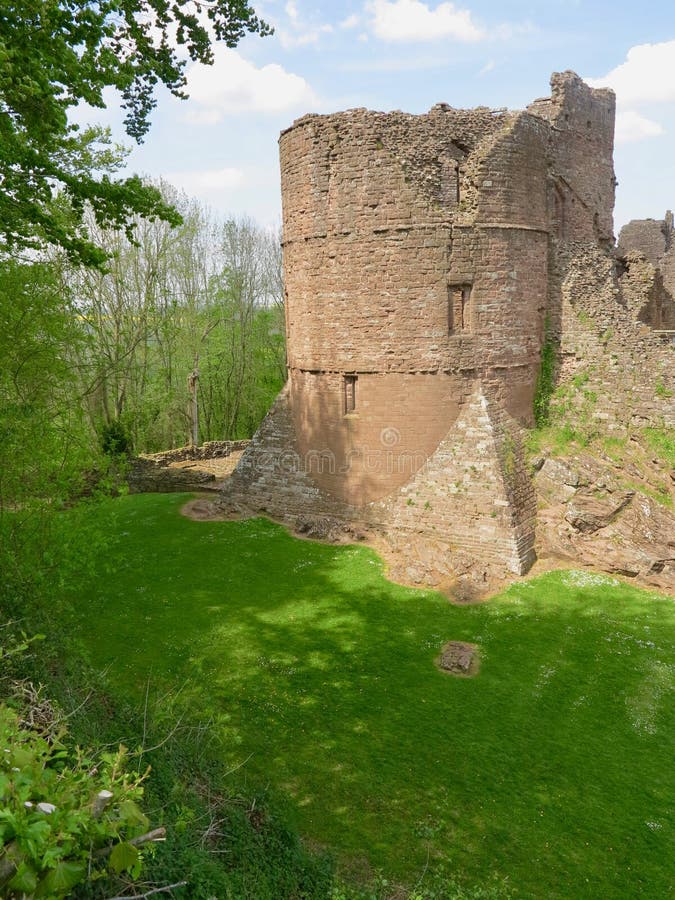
(65, 816)
(115, 440)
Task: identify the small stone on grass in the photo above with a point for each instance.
(459, 658)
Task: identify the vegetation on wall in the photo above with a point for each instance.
(545, 384)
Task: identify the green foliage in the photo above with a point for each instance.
(223, 837)
(35, 466)
(251, 851)
(115, 440)
(55, 55)
(17, 644)
(46, 443)
(662, 391)
(50, 827)
(206, 294)
(321, 681)
(662, 442)
(43, 436)
(545, 381)
(566, 415)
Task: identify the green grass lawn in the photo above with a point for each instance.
(553, 767)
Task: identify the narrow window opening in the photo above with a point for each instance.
(457, 177)
(459, 308)
(349, 388)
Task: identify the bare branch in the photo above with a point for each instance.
(156, 836)
(150, 893)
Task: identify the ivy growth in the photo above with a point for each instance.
(545, 381)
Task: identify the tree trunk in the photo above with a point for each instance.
(193, 406)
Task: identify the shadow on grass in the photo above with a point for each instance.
(315, 672)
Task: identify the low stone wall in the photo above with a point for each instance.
(158, 473)
(208, 450)
(146, 476)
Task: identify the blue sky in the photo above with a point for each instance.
(221, 144)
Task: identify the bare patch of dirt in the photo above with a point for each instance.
(459, 658)
(203, 509)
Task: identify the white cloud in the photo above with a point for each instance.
(234, 85)
(207, 180)
(350, 21)
(488, 67)
(644, 79)
(647, 75)
(412, 20)
(300, 30)
(301, 36)
(631, 126)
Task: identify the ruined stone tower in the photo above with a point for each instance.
(422, 265)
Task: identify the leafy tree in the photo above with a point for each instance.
(204, 297)
(43, 436)
(55, 54)
(45, 440)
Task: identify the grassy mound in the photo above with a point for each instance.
(317, 677)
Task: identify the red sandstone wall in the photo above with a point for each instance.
(646, 235)
(365, 252)
(373, 246)
(582, 142)
(398, 423)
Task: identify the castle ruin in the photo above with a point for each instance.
(646, 250)
(428, 260)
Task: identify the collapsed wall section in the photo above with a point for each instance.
(646, 251)
(603, 310)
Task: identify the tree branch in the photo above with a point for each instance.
(158, 890)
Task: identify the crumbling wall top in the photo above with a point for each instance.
(651, 237)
